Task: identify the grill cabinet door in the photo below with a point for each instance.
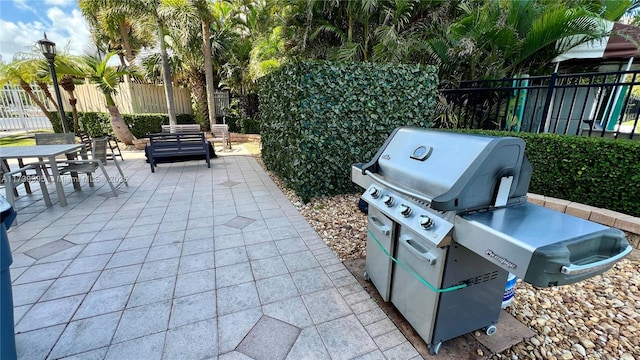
(380, 236)
(411, 297)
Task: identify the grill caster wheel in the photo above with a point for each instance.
(434, 349)
(366, 276)
(491, 330)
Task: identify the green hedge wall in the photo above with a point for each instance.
(317, 118)
(594, 171)
(97, 123)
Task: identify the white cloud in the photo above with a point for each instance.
(65, 29)
(62, 3)
(22, 5)
(72, 28)
(18, 37)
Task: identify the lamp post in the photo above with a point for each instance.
(48, 49)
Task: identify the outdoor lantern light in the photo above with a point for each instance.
(48, 49)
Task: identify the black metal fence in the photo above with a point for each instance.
(592, 104)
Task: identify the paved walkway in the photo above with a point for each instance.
(187, 263)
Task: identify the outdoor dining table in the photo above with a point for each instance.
(48, 152)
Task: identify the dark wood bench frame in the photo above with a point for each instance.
(177, 145)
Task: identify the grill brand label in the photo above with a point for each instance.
(500, 259)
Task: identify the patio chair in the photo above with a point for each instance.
(53, 139)
(112, 143)
(221, 132)
(12, 179)
(85, 139)
(4, 168)
(89, 166)
(114, 147)
(99, 151)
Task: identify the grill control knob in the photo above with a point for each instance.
(425, 222)
(405, 210)
(387, 200)
(375, 193)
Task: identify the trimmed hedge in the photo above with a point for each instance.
(97, 123)
(317, 118)
(594, 171)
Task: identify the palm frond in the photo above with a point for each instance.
(348, 52)
(560, 26)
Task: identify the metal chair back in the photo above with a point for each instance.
(99, 149)
(55, 139)
(85, 139)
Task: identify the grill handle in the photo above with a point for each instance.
(595, 266)
(401, 190)
(380, 226)
(417, 250)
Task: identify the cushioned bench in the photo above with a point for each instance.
(170, 147)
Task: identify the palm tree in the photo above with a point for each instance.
(187, 68)
(66, 82)
(339, 30)
(116, 27)
(144, 14)
(185, 38)
(504, 38)
(257, 45)
(206, 19)
(106, 79)
(22, 73)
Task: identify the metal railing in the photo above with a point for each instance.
(591, 104)
(19, 112)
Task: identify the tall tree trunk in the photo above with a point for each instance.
(208, 72)
(45, 89)
(126, 44)
(27, 88)
(67, 84)
(166, 76)
(122, 59)
(365, 35)
(200, 99)
(119, 127)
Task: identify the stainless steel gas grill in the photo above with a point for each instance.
(448, 220)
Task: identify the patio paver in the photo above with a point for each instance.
(187, 263)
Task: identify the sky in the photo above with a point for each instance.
(23, 22)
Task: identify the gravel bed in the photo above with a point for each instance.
(598, 318)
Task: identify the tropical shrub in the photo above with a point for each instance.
(97, 123)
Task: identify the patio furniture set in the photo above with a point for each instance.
(78, 158)
(175, 143)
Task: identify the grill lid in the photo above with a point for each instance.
(454, 171)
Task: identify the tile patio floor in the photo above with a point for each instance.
(187, 263)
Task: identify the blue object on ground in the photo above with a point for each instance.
(7, 332)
